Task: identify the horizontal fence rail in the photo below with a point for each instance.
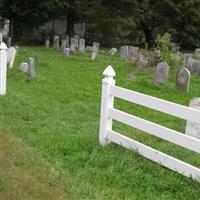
(109, 113)
(164, 106)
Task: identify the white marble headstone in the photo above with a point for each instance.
(11, 57)
(193, 128)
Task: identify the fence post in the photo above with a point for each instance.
(3, 68)
(107, 101)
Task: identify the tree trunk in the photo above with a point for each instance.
(70, 24)
(148, 34)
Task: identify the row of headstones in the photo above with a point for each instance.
(69, 45)
(182, 76)
(132, 53)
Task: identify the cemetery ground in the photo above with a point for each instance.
(49, 133)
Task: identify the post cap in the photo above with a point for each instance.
(3, 46)
(109, 72)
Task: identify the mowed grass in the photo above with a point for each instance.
(56, 115)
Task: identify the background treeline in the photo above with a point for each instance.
(111, 22)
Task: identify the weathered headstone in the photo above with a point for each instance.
(56, 44)
(47, 42)
(64, 42)
(193, 128)
(11, 57)
(76, 41)
(9, 42)
(89, 48)
(183, 80)
(66, 52)
(142, 61)
(95, 50)
(17, 48)
(187, 56)
(73, 44)
(31, 69)
(1, 38)
(23, 67)
(193, 66)
(197, 53)
(67, 41)
(113, 51)
(124, 52)
(162, 72)
(133, 52)
(82, 46)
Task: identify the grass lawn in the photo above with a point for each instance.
(49, 133)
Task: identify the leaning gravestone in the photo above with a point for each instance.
(133, 53)
(95, 50)
(124, 52)
(193, 128)
(193, 66)
(197, 53)
(11, 57)
(73, 44)
(66, 52)
(162, 72)
(31, 69)
(47, 42)
(113, 51)
(56, 42)
(82, 46)
(23, 67)
(183, 80)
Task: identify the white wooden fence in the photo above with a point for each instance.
(109, 113)
(3, 68)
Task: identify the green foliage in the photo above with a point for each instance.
(169, 51)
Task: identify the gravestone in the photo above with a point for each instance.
(9, 42)
(17, 48)
(76, 41)
(183, 80)
(162, 72)
(1, 38)
(89, 48)
(95, 50)
(193, 66)
(197, 53)
(113, 51)
(124, 52)
(142, 61)
(31, 69)
(73, 44)
(67, 41)
(11, 57)
(193, 128)
(64, 42)
(47, 42)
(23, 67)
(187, 56)
(133, 53)
(66, 52)
(82, 46)
(56, 44)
